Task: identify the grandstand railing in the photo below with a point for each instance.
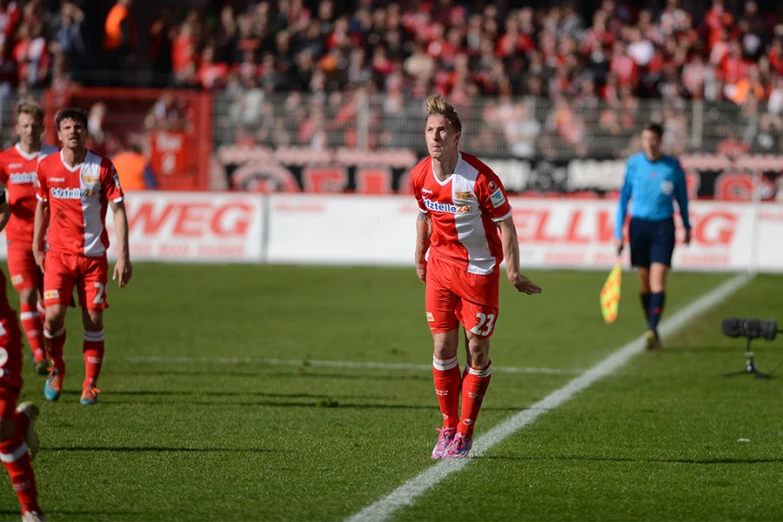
(493, 127)
(546, 137)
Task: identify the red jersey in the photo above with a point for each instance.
(78, 199)
(464, 210)
(17, 174)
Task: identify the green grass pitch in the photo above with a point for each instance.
(211, 411)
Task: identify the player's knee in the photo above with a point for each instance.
(55, 318)
(92, 319)
(478, 351)
(28, 296)
(445, 344)
(7, 429)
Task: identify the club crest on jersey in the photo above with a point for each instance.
(91, 181)
(90, 178)
(436, 206)
(464, 196)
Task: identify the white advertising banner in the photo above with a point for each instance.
(192, 226)
(380, 230)
(553, 233)
(342, 229)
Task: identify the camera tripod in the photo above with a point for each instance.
(750, 365)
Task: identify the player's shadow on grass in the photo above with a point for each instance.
(184, 393)
(626, 459)
(674, 350)
(55, 512)
(308, 372)
(325, 402)
(155, 449)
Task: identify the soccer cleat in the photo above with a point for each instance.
(42, 367)
(90, 395)
(444, 440)
(651, 340)
(30, 437)
(54, 385)
(32, 516)
(459, 447)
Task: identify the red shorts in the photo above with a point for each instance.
(21, 266)
(10, 364)
(65, 271)
(454, 296)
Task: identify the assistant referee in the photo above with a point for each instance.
(653, 181)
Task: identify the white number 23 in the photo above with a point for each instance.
(486, 321)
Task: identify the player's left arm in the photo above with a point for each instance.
(510, 239)
(681, 194)
(5, 209)
(494, 201)
(123, 270)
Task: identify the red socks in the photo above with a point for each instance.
(447, 379)
(16, 460)
(474, 386)
(33, 328)
(54, 342)
(93, 348)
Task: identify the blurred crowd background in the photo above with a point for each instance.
(564, 79)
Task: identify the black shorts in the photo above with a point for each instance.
(651, 241)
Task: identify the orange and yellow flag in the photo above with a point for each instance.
(610, 294)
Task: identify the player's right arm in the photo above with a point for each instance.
(41, 222)
(622, 208)
(423, 230)
(422, 244)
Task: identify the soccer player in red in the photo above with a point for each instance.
(76, 188)
(18, 166)
(18, 441)
(464, 231)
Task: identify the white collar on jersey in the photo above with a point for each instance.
(456, 168)
(77, 167)
(25, 155)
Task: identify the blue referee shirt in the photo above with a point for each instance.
(653, 186)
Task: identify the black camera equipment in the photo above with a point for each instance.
(750, 329)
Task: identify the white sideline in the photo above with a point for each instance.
(316, 363)
(417, 486)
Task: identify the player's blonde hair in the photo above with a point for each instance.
(31, 108)
(438, 106)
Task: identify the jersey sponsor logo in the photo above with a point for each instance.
(497, 198)
(446, 207)
(667, 187)
(22, 178)
(464, 196)
(66, 193)
(51, 294)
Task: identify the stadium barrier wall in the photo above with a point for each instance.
(379, 230)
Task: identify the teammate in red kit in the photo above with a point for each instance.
(464, 230)
(76, 187)
(18, 166)
(18, 441)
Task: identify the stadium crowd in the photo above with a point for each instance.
(588, 67)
